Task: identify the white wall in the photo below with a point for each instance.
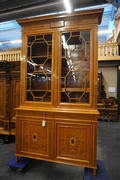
(109, 79)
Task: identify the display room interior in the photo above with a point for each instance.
(57, 63)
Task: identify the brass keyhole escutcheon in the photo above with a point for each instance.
(34, 137)
(72, 141)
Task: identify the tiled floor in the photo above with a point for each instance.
(108, 150)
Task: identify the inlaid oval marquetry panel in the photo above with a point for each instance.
(72, 140)
(36, 138)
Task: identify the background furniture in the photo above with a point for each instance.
(57, 118)
(9, 95)
(108, 109)
(101, 90)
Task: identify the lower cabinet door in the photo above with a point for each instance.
(75, 143)
(35, 138)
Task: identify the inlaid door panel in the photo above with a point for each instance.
(35, 138)
(74, 141)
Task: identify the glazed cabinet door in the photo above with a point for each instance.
(36, 137)
(75, 72)
(39, 68)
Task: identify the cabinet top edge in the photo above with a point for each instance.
(83, 13)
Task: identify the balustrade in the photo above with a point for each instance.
(10, 56)
(107, 51)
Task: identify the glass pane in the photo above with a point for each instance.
(29, 96)
(28, 52)
(39, 67)
(48, 37)
(38, 81)
(85, 35)
(75, 60)
(64, 97)
(47, 66)
(30, 67)
(31, 39)
(39, 36)
(47, 97)
(39, 48)
(39, 60)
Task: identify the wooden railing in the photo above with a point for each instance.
(10, 55)
(107, 51)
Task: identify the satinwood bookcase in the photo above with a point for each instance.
(58, 117)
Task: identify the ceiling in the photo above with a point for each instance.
(9, 12)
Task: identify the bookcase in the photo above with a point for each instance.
(58, 117)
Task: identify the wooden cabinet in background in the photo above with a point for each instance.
(9, 95)
(101, 88)
(108, 109)
(58, 117)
